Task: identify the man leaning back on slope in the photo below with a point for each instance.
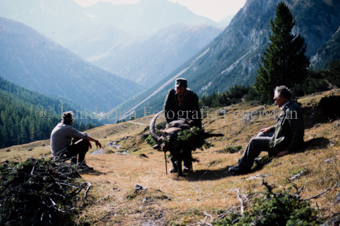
(284, 137)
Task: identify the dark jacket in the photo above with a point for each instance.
(288, 131)
(188, 110)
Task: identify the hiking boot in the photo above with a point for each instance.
(84, 167)
(186, 169)
(173, 170)
(234, 170)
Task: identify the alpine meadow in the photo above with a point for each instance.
(112, 67)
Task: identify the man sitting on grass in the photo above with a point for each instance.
(284, 137)
(61, 146)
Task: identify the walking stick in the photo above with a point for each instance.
(166, 165)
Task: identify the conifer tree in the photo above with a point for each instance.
(284, 60)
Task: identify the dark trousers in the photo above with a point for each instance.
(187, 162)
(77, 151)
(255, 146)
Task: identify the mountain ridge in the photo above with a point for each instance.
(149, 59)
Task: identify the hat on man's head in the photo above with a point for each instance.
(181, 82)
(67, 116)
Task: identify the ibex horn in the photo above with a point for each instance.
(152, 129)
(156, 137)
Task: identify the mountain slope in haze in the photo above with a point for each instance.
(51, 18)
(30, 60)
(146, 16)
(233, 57)
(149, 59)
(118, 37)
(65, 19)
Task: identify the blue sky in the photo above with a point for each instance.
(214, 9)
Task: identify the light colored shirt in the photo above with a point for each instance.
(61, 138)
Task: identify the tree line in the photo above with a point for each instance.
(316, 81)
(23, 115)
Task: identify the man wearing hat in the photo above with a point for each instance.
(182, 102)
(61, 146)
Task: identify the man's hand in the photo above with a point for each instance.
(265, 130)
(98, 144)
(282, 153)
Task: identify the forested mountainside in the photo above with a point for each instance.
(233, 57)
(328, 52)
(30, 60)
(28, 116)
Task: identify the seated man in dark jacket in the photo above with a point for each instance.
(181, 102)
(284, 137)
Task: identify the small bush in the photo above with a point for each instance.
(150, 141)
(279, 208)
(330, 106)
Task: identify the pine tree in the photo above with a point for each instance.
(284, 60)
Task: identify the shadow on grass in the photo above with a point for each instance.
(316, 143)
(92, 172)
(205, 175)
(311, 144)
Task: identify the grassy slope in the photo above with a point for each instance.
(207, 192)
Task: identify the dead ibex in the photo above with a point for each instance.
(179, 149)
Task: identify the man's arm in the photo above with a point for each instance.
(296, 124)
(297, 129)
(98, 144)
(169, 116)
(77, 134)
(198, 120)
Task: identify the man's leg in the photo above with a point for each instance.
(82, 147)
(79, 149)
(174, 165)
(253, 150)
(187, 161)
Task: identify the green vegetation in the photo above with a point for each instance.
(27, 116)
(233, 96)
(275, 208)
(188, 139)
(284, 61)
(316, 81)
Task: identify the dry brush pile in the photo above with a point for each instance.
(40, 192)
